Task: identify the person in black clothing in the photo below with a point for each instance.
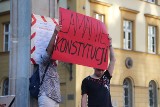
(97, 86)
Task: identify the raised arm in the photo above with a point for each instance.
(112, 58)
(52, 41)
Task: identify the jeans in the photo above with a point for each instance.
(44, 101)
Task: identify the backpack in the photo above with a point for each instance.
(34, 81)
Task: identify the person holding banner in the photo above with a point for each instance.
(97, 86)
(49, 95)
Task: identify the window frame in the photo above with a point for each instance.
(154, 93)
(131, 15)
(98, 15)
(4, 87)
(154, 21)
(150, 42)
(4, 37)
(126, 31)
(99, 7)
(130, 92)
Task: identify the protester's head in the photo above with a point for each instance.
(98, 72)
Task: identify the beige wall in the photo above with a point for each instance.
(72, 5)
(114, 20)
(67, 85)
(145, 66)
(81, 73)
(40, 7)
(154, 21)
(4, 68)
(131, 15)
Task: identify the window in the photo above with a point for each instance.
(151, 39)
(127, 35)
(6, 37)
(127, 86)
(99, 17)
(151, 1)
(152, 28)
(128, 28)
(152, 94)
(5, 86)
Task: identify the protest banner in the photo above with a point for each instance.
(83, 40)
(42, 29)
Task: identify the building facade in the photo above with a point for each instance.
(4, 45)
(134, 26)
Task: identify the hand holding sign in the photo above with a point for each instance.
(83, 40)
(58, 28)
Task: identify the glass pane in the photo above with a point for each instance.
(127, 83)
(6, 27)
(153, 48)
(152, 1)
(129, 25)
(129, 44)
(124, 25)
(5, 87)
(126, 100)
(6, 42)
(148, 30)
(125, 92)
(150, 94)
(149, 40)
(102, 18)
(129, 36)
(99, 17)
(6, 47)
(6, 38)
(153, 42)
(151, 102)
(96, 16)
(153, 31)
